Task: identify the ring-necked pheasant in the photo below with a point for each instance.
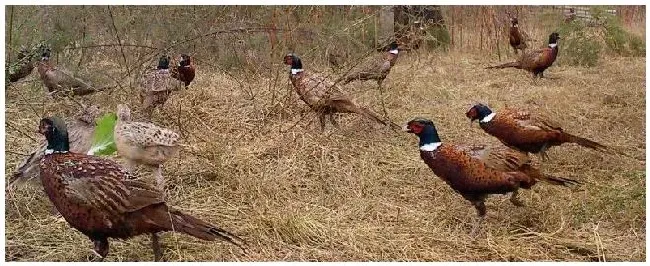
(185, 70)
(323, 96)
(376, 68)
(517, 36)
(536, 61)
(144, 143)
(526, 131)
(80, 133)
(156, 87)
(101, 200)
(59, 81)
(478, 171)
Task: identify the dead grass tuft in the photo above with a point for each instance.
(257, 165)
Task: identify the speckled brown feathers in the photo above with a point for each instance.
(60, 82)
(101, 200)
(503, 158)
(376, 68)
(516, 36)
(536, 61)
(477, 171)
(144, 143)
(324, 97)
(527, 131)
(471, 177)
(156, 87)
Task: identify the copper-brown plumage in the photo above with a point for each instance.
(516, 36)
(478, 171)
(525, 130)
(536, 61)
(377, 68)
(504, 158)
(102, 200)
(185, 71)
(323, 96)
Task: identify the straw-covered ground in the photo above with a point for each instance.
(258, 165)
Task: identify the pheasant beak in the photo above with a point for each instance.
(407, 129)
(471, 114)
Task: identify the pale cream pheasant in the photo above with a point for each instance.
(142, 143)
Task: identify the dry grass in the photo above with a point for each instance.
(257, 167)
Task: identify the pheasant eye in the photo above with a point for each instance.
(416, 128)
(471, 113)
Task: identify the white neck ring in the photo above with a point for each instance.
(488, 118)
(430, 146)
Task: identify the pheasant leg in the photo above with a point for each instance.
(515, 201)
(155, 245)
(54, 211)
(321, 119)
(101, 248)
(160, 181)
(333, 120)
(480, 209)
(381, 97)
(542, 152)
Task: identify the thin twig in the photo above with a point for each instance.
(16, 153)
(119, 41)
(22, 95)
(8, 124)
(111, 45)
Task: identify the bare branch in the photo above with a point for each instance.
(119, 41)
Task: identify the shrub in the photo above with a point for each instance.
(437, 37)
(578, 47)
(616, 38)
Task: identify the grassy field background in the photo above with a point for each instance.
(258, 165)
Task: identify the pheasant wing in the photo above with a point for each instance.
(67, 80)
(159, 80)
(535, 121)
(500, 157)
(100, 184)
(147, 134)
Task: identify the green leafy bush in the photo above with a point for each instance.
(620, 41)
(578, 47)
(583, 42)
